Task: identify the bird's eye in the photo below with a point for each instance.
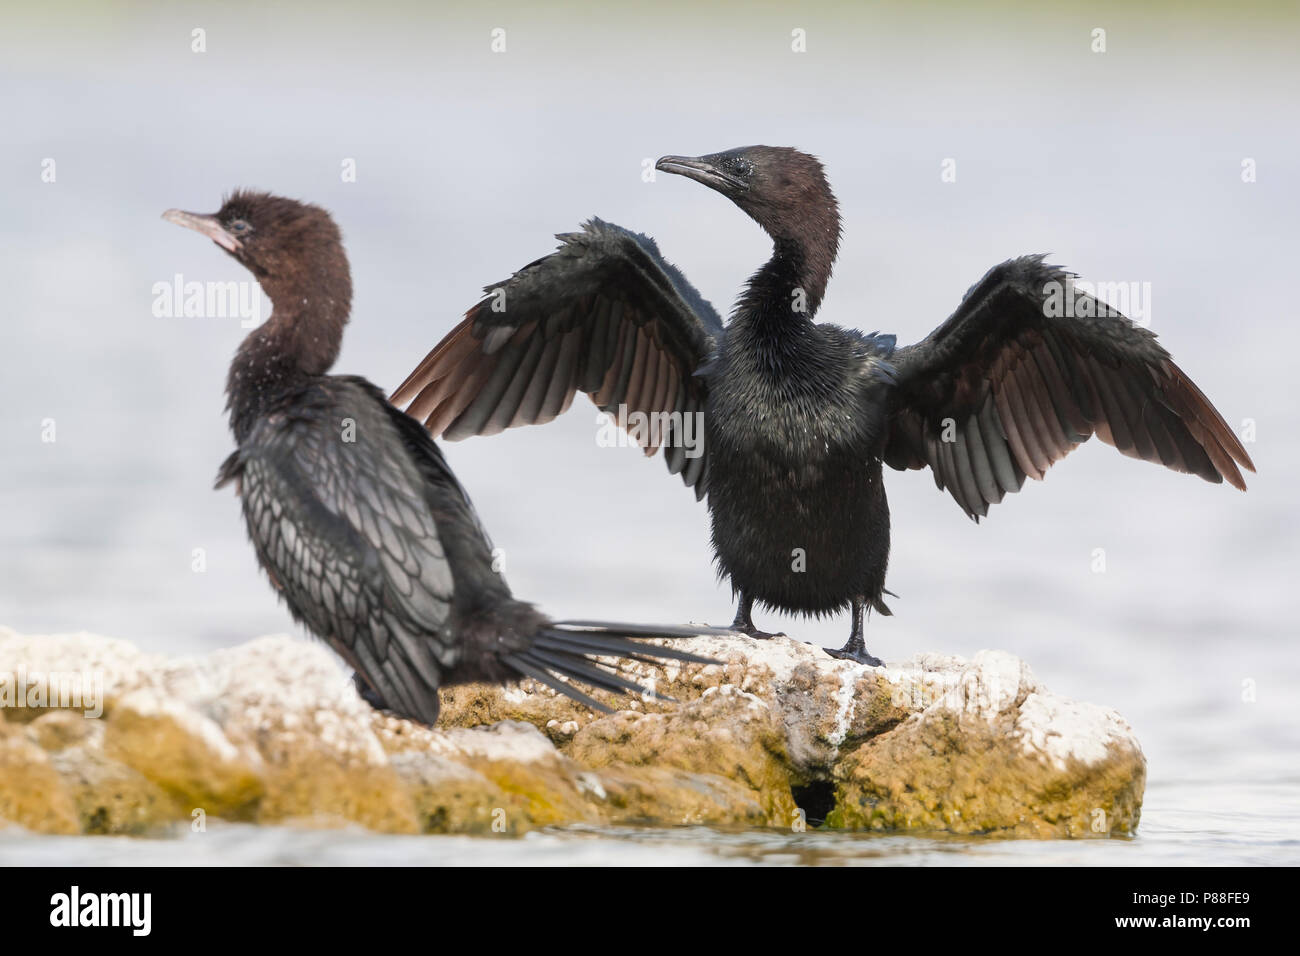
(240, 226)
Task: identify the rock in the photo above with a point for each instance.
(727, 747)
(184, 752)
(273, 731)
(32, 792)
(109, 796)
(995, 753)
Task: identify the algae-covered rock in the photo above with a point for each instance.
(724, 733)
(32, 792)
(108, 796)
(272, 730)
(995, 753)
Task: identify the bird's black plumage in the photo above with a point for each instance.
(605, 315)
(353, 511)
(798, 417)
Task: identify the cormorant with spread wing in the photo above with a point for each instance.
(797, 416)
(354, 513)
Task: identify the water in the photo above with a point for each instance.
(1125, 165)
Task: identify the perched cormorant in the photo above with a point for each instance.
(798, 417)
(355, 516)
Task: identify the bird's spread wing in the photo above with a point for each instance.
(1027, 368)
(338, 512)
(605, 315)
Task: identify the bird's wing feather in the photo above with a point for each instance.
(452, 500)
(1026, 369)
(606, 314)
(338, 512)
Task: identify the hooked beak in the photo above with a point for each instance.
(701, 170)
(209, 226)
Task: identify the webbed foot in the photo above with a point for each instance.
(858, 654)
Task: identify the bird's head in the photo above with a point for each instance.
(783, 190)
(293, 248)
(281, 241)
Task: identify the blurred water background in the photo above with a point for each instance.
(1125, 165)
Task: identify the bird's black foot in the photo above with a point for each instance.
(858, 654)
(745, 625)
(855, 648)
(752, 631)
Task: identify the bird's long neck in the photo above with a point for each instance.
(782, 297)
(298, 342)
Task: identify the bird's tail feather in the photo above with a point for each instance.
(567, 651)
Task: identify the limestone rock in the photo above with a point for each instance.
(32, 793)
(995, 753)
(273, 731)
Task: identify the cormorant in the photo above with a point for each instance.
(797, 416)
(355, 516)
